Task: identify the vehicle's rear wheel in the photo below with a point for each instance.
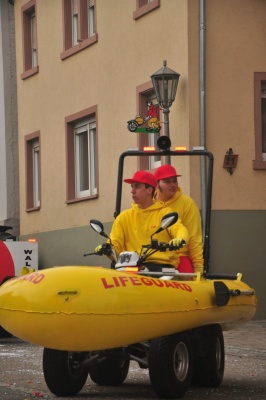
(63, 371)
(170, 365)
(208, 349)
(110, 372)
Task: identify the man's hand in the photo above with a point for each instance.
(98, 249)
(104, 248)
(177, 242)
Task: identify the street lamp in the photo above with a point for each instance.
(165, 83)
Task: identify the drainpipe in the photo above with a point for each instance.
(202, 112)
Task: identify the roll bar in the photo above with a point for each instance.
(193, 153)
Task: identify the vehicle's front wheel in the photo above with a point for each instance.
(208, 348)
(4, 333)
(170, 365)
(63, 371)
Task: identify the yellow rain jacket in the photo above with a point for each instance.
(134, 227)
(189, 214)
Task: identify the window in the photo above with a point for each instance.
(74, 10)
(79, 19)
(33, 39)
(146, 93)
(260, 120)
(81, 141)
(33, 171)
(29, 27)
(85, 150)
(263, 119)
(144, 7)
(91, 18)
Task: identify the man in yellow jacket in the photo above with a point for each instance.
(134, 227)
(172, 196)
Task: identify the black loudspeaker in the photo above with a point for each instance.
(164, 143)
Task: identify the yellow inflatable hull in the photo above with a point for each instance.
(91, 308)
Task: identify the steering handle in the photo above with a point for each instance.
(163, 246)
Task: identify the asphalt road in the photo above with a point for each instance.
(21, 376)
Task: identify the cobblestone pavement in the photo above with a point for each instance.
(21, 376)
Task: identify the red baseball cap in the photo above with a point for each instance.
(142, 177)
(164, 172)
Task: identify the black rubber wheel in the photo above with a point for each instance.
(171, 365)
(4, 333)
(110, 372)
(63, 372)
(208, 349)
(132, 125)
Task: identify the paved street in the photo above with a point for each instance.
(21, 376)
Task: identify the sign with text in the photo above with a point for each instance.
(24, 254)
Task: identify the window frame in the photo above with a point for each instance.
(259, 79)
(29, 66)
(33, 195)
(84, 39)
(72, 122)
(144, 7)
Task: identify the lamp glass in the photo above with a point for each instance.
(165, 83)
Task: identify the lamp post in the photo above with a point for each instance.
(165, 83)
